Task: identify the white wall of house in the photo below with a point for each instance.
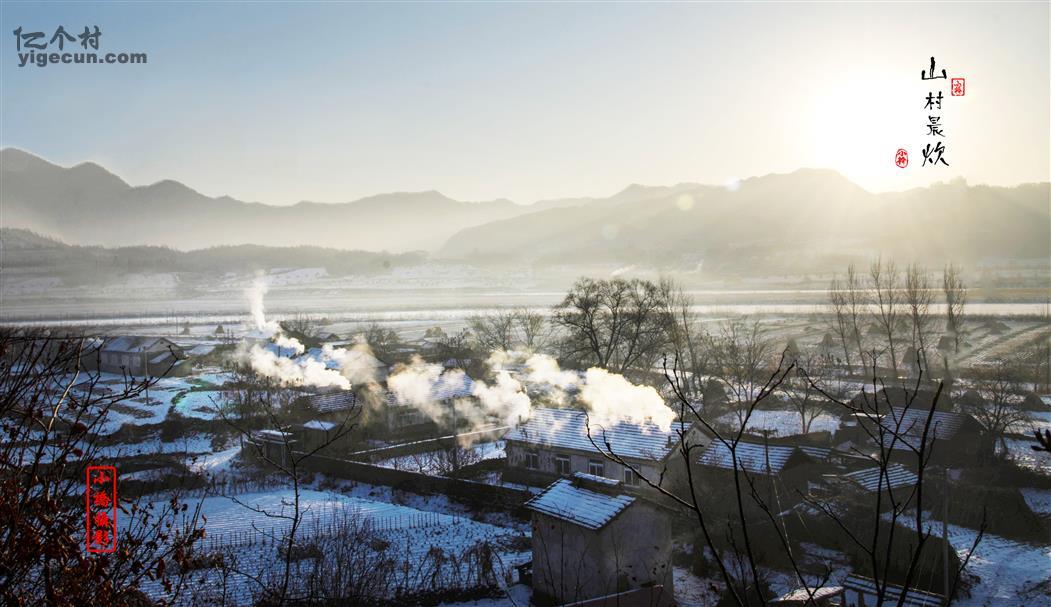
(565, 463)
(571, 563)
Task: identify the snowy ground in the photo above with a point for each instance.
(192, 396)
(245, 532)
(1038, 420)
(1021, 451)
(1006, 572)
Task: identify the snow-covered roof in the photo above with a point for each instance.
(317, 424)
(343, 400)
(568, 429)
(593, 478)
(569, 502)
(201, 349)
(162, 357)
(869, 479)
(753, 458)
(913, 597)
(137, 344)
(909, 424)
(271, 434)
(806, 594)
(819, 453)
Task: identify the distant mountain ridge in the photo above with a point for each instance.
(809, 216)
(86, 204)
(778, 221)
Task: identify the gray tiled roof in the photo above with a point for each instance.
(909, 424)
(754, 458)
(344, 400)
(869, 479)
(568, 502)
(137, 344)
(568, 429)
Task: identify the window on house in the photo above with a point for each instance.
(596, 467)
(532, 460)
(563, 466)
(630, 478)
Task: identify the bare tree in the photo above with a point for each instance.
(53, 410)
(742, 356)
(515, 329)
(688, 341)
(955, 298)
(304, 327)
(886, 303)
(383, 341)
(998, 402)
(620, 325)
(802, 392)
(918, 296)
(277, 449)
(841, 324)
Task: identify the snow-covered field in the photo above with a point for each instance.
(244, 531)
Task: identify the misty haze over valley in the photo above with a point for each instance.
(89, 243)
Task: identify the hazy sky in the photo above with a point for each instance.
(280, 102)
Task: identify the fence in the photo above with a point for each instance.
(429, 444)
(322, 525)
(472, 493)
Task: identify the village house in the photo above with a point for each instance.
(791, 468)
(953, 439)
(449, 403)
(271, 446)
(141, 356)
(591, 540)
(887, 398)
(317, 432)
(554, 443)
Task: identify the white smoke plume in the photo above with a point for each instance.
(611, 397)
(608, 397)
(352, 366)
(295, 371)
(544, 369)
(255, 294)
(505, 399)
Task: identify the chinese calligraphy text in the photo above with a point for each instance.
(100, 496)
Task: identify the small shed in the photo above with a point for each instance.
(592, 540)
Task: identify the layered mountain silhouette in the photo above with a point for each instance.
(783, 219)
(807, 214)
(86, 204)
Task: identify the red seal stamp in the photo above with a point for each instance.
(901, 158)
(958, 87)
(100, 497)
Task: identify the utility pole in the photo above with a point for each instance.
(945, 533)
